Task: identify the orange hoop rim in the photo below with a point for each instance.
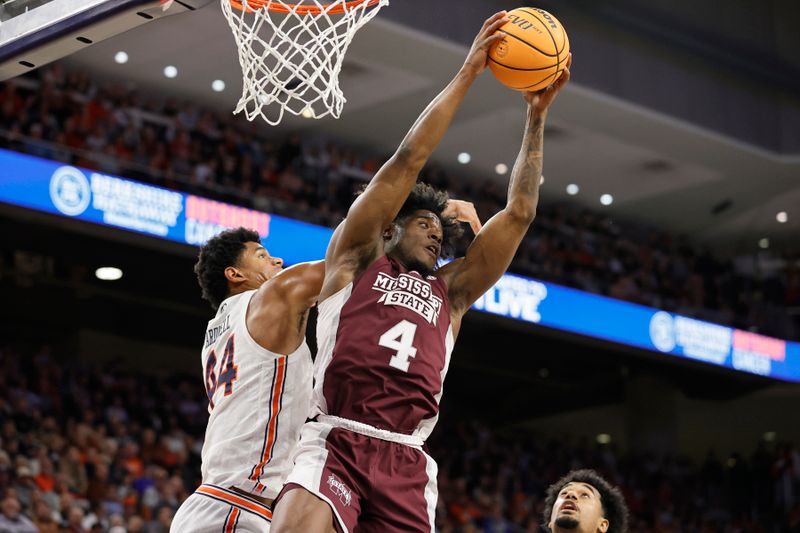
(272, 5)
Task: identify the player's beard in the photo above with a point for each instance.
(420, 267)
(567, 522)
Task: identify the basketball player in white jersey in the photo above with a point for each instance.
(257, 370)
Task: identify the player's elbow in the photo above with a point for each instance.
(521, 213)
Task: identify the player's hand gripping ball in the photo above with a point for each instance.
(533, 53)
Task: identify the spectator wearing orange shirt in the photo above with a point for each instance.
(45, 479)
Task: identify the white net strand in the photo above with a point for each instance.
(291, 61)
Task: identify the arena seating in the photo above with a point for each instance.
(85, 448)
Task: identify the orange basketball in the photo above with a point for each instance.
(534, 51)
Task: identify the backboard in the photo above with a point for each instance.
(36, 32)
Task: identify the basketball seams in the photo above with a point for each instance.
(546, 27)
(540, 82)
(520, 39)
(560, 26)
(520, 68)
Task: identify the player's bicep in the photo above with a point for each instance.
(334, 242)
(301, 284)
(486, 260)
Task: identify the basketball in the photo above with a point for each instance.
(534, 52)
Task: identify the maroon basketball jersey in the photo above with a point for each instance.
(384, 347)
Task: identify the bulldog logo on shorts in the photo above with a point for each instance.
(340, 490)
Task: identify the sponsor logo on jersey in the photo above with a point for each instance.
(410, 292)
(340, 489)
(212, 334)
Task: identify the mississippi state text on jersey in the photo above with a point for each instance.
(384, 347)
(257, 402)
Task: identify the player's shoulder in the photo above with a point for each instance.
(232, 303)
(294, 283)
(289, 277)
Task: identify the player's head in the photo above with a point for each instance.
(584, 502)
(232, 262)
(420, 233)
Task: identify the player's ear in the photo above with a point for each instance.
(233, 275)
(389, 232)
(602, 527)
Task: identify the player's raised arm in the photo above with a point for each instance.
(388, 190)
(494, 247)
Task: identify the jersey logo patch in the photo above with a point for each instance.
(410, 292)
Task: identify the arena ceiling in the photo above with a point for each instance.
(659, 165)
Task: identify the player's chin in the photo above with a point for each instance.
(567, 522)
(429, 261)
(421, 266)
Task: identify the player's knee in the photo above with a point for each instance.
(299, 511)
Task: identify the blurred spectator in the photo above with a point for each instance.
(44, 518)
(12, 520)
(93, 460)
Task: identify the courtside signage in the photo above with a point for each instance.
(600, 317)
(146, 209)
(99, 198)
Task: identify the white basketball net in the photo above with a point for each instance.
(291, 61)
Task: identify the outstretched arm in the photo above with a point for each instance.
(276, 317)
(494, 247)
(384, 196)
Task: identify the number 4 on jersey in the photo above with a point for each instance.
(400, 339)
(229, 372)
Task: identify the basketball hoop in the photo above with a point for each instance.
(291, 54)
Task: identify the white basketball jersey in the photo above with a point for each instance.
(258, 400)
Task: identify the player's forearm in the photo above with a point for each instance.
(429, 128)
(523, 189)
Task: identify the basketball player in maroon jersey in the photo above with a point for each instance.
(259, 386)
(388, 319)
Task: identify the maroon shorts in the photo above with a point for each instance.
(372, 485)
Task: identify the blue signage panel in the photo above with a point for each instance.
(112, 201)
(635, 325)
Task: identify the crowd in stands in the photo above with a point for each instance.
(494, 482)
(69, 117)
(84, 448)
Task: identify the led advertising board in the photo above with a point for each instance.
(189, 219)
(142, 208)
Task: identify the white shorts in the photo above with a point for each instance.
(212, 509)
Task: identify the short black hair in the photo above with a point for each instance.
(424, 196)
(220, 252)
(614, 508)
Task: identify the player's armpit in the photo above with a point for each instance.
(486, 260)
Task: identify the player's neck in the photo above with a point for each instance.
(411, 266)
(239, 290)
